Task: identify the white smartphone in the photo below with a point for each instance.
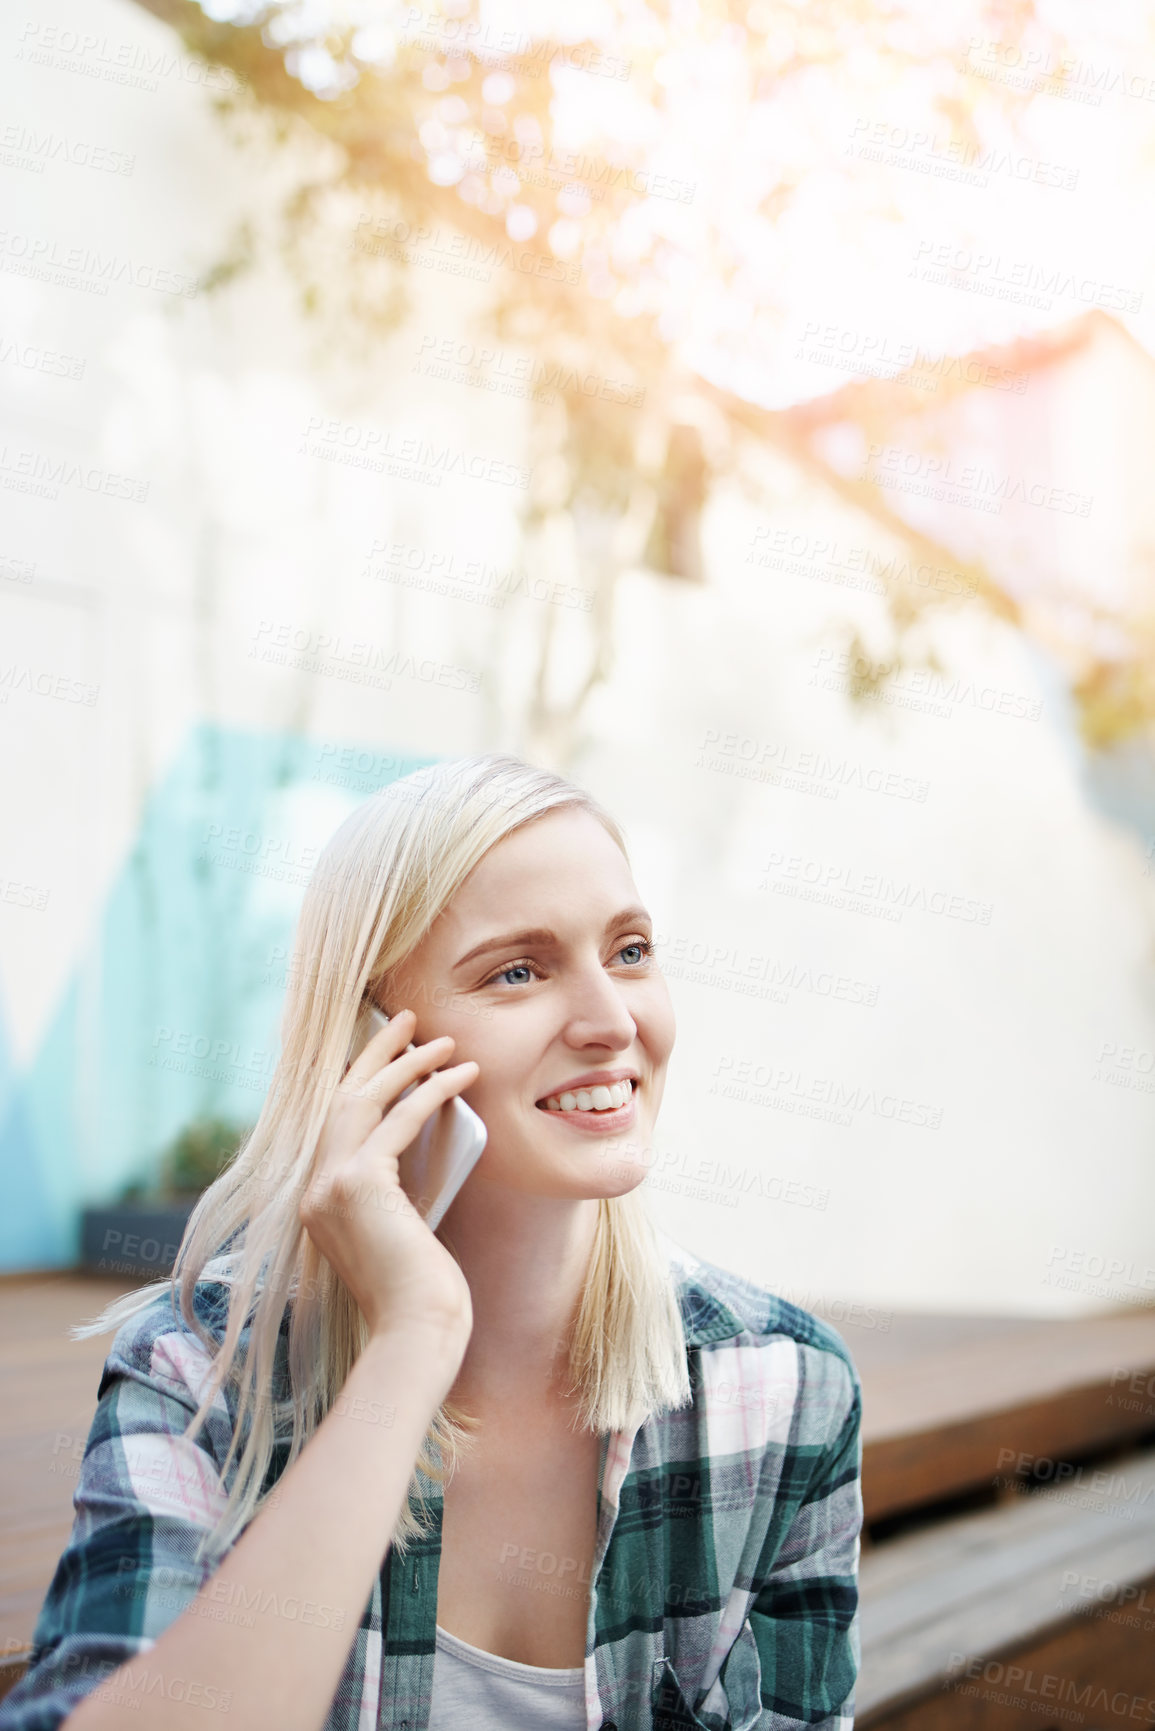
(448, 1146)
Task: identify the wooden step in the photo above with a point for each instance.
(951, 1403)
(1050, 1598)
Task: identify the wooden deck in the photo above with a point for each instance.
(950, 1403)
(48, 1387)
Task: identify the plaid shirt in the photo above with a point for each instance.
(724, 1583)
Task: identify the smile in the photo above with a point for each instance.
(602, 1098)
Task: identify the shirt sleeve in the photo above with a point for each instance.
(805, 1615)
(144, 1496)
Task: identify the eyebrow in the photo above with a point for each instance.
(543, 935)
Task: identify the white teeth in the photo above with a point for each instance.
(597, 1099)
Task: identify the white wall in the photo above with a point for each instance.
(987, 1156)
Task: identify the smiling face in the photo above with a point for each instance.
(541, 969)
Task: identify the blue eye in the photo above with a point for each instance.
(531, 971)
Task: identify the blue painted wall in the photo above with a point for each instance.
(173, 1014)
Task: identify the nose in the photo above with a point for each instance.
(597, 1012)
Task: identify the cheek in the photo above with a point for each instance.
(499, 1083)
(656, 1023)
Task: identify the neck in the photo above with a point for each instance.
(525, 1258)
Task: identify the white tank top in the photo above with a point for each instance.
(489, 1693)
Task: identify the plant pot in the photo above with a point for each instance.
(134, 1238)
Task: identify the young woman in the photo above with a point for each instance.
(540, 1468)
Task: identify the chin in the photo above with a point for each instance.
(619, 1171)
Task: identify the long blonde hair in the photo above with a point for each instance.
(388, 872)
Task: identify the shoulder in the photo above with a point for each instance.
(156, 1352)
(157, 1341)
(755, 1345)
(157, 1374)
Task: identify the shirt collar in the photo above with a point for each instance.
(705, 1317)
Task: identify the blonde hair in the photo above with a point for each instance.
(388, 872)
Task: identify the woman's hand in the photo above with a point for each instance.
(354, 1209)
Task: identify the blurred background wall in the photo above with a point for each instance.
(747, 412)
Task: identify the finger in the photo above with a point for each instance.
(382, 1088)
(386, 1043)
(409, 1115)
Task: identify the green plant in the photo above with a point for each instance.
(195, 1157)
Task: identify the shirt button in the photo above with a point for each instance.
(609, 1725)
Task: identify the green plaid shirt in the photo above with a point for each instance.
(724, 1582)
